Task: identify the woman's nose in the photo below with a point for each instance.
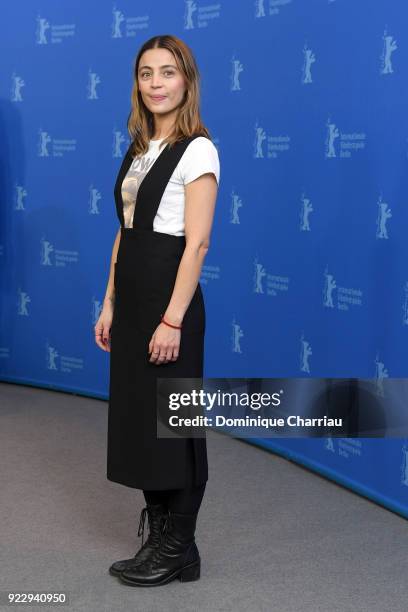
(156, 80)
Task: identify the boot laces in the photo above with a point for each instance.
(140, 531)
(165, 523)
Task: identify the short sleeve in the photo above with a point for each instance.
(200, 157)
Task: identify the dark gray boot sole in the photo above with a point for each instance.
(188, 573)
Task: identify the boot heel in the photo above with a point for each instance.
(190, 573)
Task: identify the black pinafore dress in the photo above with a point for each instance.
(145, 273)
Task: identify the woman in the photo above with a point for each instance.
(153, 316)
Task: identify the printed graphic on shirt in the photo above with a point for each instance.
(131, 183)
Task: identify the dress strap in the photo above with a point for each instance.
(154, 183)
(124, 167)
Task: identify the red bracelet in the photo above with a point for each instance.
(169, 324)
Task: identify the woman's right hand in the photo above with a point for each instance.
(103, 327)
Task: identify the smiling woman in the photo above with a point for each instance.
(165, 196)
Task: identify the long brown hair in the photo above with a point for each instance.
(140, 121)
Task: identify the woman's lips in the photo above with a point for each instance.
(158, 98)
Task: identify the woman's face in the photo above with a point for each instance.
(161, 83)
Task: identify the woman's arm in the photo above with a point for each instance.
(200, 198)
(104, 323)
(110, 289)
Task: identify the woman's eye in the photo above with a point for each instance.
(166, 72)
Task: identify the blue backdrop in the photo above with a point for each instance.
(307, 269)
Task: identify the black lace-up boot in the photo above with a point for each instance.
(156, 518)
(176, 557)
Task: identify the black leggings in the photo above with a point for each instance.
(182, 501)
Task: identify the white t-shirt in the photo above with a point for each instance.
(200, 156)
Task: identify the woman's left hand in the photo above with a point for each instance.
(165, 344)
